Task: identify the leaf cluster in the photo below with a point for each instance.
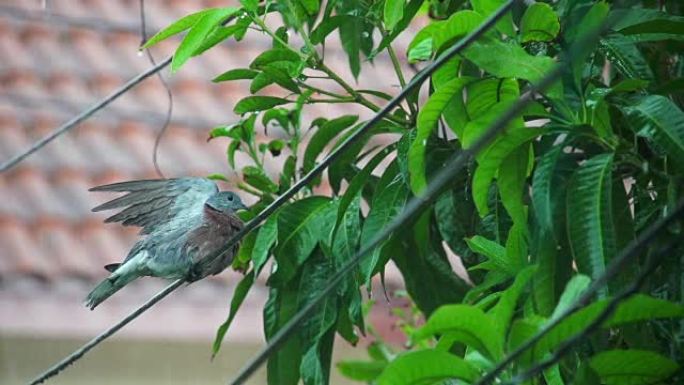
(535, 220)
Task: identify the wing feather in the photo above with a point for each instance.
(151, 204)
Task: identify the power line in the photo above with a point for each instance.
(270, 209)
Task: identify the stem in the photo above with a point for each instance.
(248, 189)
(397, 68)
(344, 100)
(268, 31)
(301, 32)
(321, 91)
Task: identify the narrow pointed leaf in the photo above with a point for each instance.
(425, 366)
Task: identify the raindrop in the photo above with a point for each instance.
(140, 53)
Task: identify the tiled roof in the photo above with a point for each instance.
(59, 61)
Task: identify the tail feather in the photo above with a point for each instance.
(106, 289)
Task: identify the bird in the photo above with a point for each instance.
(184, 223)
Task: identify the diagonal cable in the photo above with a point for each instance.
(415, 83)
(604, 315)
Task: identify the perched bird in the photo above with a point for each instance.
(184, 222)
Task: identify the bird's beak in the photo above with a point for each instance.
(243, 207)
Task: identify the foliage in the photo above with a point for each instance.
(538, 215)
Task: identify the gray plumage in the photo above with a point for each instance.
(183, 222)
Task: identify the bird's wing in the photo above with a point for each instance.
(152, 203)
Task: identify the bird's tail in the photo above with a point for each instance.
(106, 288)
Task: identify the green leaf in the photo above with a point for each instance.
(258, 103)
(490, 159)
(495, 253)
(326, 26)
(630, 21)
(426, 124)
(351, 34)
(256, 177)
(505, 308)
(361, 370)
(632, 367)
(451, 209)
(358, 182)
(260, 82)
(316, 331)
(199, 31)
(283, 365)
(393, 12)
(511, 180)
(414, 368)
(637, 308)
(322, 137)
(467, 324)
(300, 226)
(239, 295)
(177, 27)
(274, 55)
(484, 94)
(626, 57)
(235, 74)
(388, 201)
(281, 77)
(539, 23)
(346, 238)
(547, 185)
(454, 28)
(486, 54)
(488, 7)
(409, 11)
(428, 276)
(590, 217)
(268, 233)
(660, 120)
(421, 51)
(311, 6)
(577, 285)
(424, 38)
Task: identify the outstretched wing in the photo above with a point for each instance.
(153, 203)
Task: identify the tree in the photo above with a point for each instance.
(540, 213)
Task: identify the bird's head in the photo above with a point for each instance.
(225, 202)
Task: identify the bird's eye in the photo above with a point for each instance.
(230, 197)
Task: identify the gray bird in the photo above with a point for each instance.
(184, 221)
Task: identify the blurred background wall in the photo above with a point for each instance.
(57, 58)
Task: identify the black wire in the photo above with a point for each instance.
(169, 95)
(270, 209)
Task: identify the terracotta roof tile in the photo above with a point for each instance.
(53, 70)
(59, 246)
(20, 249)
